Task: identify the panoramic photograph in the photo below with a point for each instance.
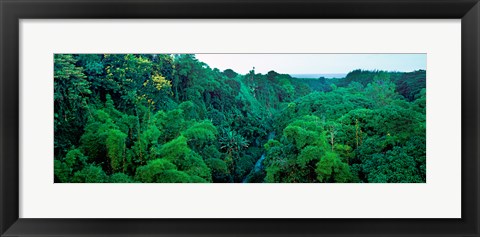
(240, 118)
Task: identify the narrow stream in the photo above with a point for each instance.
(259, 164)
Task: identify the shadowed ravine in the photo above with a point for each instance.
(259, 164)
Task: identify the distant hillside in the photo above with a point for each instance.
(407, 84)
(325, 75)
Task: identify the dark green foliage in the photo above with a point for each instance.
(116, 150)
(120, 178)
(200, 134)
(232, 142)
(230, 73)
(124, 118)
(220, 172)
(332, 169)
(154, 170)
(308, 155)
(393, 166)
(71, 98)
(62, 173)
(90, 174)
(163, 171)
(185, 159)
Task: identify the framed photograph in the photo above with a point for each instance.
(239, 118)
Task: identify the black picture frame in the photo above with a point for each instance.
(13, 10)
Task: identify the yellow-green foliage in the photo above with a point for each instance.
(160, 82)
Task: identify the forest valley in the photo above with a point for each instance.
(146, 118)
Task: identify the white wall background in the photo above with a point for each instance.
(438, 198)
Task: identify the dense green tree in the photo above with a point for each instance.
(158, 170)
(331, 169)
(90, 174)
(71, 96)
(230, 73)
(116, 149)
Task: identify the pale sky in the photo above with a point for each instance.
(314, 63)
